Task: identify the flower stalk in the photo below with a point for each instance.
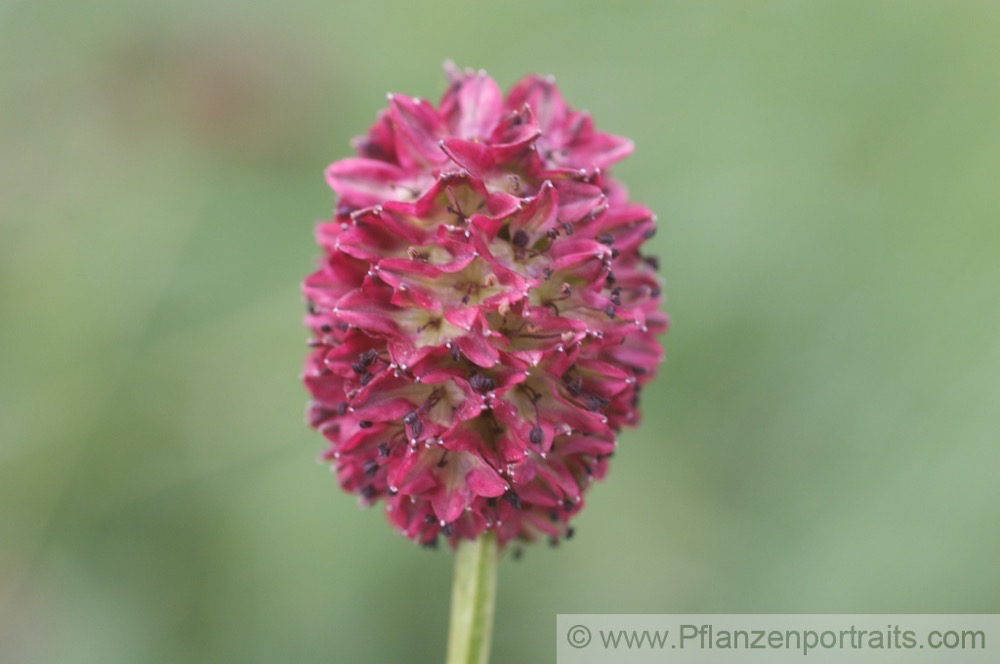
(473, 598)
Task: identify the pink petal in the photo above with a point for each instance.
(472, 156)
(363, 182)
(419, 129)
(478, 350)
(369, 308)
(544, 98)
(472, 106)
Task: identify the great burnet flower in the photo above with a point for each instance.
(482, 317)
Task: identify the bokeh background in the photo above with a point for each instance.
(824, 436)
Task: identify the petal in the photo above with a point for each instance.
(601, 151)
(539, 214)
(339, 274)
(380, 142)
(463, 476)
(587, 148)
(472, 105)
(517, 129)
(369, 308)
(478, 350)
(544, 99)
(371, 235)
(419, 129)
(472, 156)
(579, 201)
(363, 182)
(414, 473)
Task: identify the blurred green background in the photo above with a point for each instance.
(824, 437)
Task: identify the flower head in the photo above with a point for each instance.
(482, 317)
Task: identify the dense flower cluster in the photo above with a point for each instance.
(482, 317)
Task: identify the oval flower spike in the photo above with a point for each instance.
(482, 317)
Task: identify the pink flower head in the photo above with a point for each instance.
(482, 317)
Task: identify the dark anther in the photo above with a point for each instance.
(595, 402)
(547, 272)
(536, 436)
(567, 228)
(574, 387)
(610, 279)
(365, 424)
(341, 408)
(606, 238)
(513, 499)
(610, 310)
(455, 354)
(587, 469)
(520, 239)
(569, 533)
(652, 261)
(370, 467)
(446, 530)
(429, 519)
(616, 297)
(368, 492)
(442, 462)
(369, 356)
(365, 379)
(383, 449)
(360, 367)
(416, 428)
(567, 504)
(492, 502)
(466, 298)
(654, 291)
(481, 382)
(326, 328)
(649, 232)
(553, 514)
(311, 307)
(614, 253)
(410, 417)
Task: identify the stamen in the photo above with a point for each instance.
(481, 382)
(513, 499)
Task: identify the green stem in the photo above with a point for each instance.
(473, 597)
